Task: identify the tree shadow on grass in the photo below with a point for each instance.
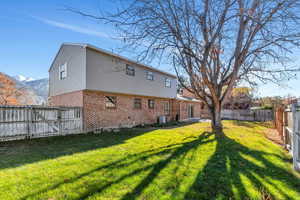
(172, 151)
(225, 174)
(158, 167)
(223, 177)
(18, 153)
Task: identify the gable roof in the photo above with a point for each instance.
(86, 45)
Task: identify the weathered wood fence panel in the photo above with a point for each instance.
(20, 122)
(248, 115)
(289, 119)
(279, 121)
(294, 135)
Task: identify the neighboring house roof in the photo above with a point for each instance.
(85, 45)
(184, 98)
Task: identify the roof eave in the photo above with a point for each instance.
(84, 45)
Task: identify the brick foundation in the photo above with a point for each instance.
(124, 115)
(96, 115)
(183, 107)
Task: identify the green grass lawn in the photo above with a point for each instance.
(187, 162)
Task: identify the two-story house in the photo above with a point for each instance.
(114, 91)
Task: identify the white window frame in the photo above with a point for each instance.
(168, 83)
(151, 103)
(150, 76)
(167, 107)
(63, 71)
(110, 102)
(130, 70)
(137, 103)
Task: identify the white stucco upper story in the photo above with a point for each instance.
(86, 67)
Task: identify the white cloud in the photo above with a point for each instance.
(74, 28)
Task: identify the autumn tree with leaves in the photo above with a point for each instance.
(8, 92)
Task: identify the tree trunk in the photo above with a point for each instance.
(216, 123)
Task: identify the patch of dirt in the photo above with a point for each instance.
(274, 136)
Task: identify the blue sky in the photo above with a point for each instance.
(32, 31)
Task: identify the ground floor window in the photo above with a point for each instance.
(190, 111)
(167, 108)
(110, 102)
(151, 103)
(137, 103)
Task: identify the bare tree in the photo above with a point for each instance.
(215, 44)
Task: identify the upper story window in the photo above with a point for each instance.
(130, 70)
(63, 71)
(110, 102)
(167, 82)
(150, 76)
(137, 103)
(151, 103)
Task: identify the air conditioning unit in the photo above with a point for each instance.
(162, 119)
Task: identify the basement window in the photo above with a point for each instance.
(137, 103)
(110, 102)
(130, 71)
(151, 103)
(63, 71)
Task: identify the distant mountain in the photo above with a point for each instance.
(40, 86)
(22, 78)
(33, 92)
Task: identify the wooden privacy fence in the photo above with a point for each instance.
(20, 122)
(248, 115)
(279, 120)
(287, 123)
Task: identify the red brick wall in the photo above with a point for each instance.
(183, 105)
(175, 110)
(205, 113)
(68, 99)
(187, 93)
(97, 116)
